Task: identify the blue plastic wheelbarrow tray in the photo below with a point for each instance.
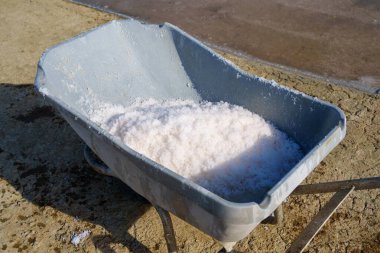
(123, 60)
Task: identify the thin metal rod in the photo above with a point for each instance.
(95, 163)
(168, 229)
(359, 184)
(318, 221)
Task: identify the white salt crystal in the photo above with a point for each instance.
(77, 238)
(224, 148)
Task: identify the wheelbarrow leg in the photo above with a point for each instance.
(168, 229)
(276, 218)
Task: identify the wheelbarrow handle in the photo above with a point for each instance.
(95, 163)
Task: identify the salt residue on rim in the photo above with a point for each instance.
(224, 148)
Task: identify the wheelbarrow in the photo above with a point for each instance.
(124, 60)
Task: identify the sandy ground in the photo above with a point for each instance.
(48, 192)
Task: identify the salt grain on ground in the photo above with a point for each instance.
(222, 147)
(77, 238)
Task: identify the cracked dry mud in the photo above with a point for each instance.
(48, 192)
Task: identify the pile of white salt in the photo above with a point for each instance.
(222, 147)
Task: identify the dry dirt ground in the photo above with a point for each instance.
(48, 192)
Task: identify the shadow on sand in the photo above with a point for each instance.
(44, 162)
